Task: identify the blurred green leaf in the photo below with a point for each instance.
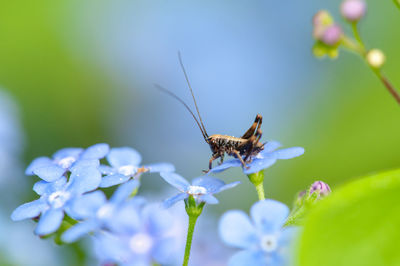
(357, 225)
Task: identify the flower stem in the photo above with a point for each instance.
(258, 181)
(357, 34)
(192, 223)
(387, 84)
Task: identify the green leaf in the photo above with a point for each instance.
(359, 224)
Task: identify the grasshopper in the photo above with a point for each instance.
(243, 148)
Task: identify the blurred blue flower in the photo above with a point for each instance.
(125, 164)
(97, 212)
(263, 239)
(263, 160)
(202, 188)
(55, 197)
(143, 240)
(51, 169)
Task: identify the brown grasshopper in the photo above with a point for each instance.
(243, 148)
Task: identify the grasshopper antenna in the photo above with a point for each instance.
(170, 93)
(191, 91)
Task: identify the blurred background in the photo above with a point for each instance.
(74, 73)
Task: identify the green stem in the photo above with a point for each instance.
(357, 35)
(387, 84)
(397, 3)
(260, 191)
(192, 223)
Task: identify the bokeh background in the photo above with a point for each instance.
(74, 73)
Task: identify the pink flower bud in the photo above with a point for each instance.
(320, 186)
(331, 35)
(353, 10)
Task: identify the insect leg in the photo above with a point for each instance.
(237, 154)
(256, 125)
(214, 157)
(222, 159)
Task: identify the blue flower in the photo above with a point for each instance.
(125, 164)
(263, 239)
(55, 197)
(143, 240)
(51, 169)
(97, 212)
(202, 188)
(263, 160)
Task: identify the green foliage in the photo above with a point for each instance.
(356, 225)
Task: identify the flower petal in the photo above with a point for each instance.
(236, 229)
(96, 151)
(85, 163)
(84, 179)
(49, 173)
(29, 210)
(160, 167)
(269, 215)
(288, 234)
(79, 230)
(288, 153)
(226, 165)
(40, 187)
(123, 156)
(124, 191)
(248, 257)
(37, 163)
(107, 170)
(228, 186)
(212, 184)
(171, 201)
(49, 221)
(271, 146)
(113, 179)
(166, 250)
(85, 206)
(67, 152)
(175, 180)
(209, 199)
(259, 164)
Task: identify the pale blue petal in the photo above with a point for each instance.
(107, 170)
(209, 199)
(49, 173)
(270, 146)
(84, 180)
(226, 165)
(67, 152)
(212, 184)
(158, 220)
(269, 215)
(86, 206)
(49, 221)
(175, 180)
(248, 257)
(171, 201)
(236, 229)
(259, 164)
(288, 153)
(113, 179)
(40, 187)
(96, 151)
(57, 185)
(37, 163)
(160, 167)
(125, 219)
(29, 210)
(288, 234)
(165, 250)
(80, 164)
(228, 186)
(110, 247)
(79, 230)
(123, 156)
(124, 191)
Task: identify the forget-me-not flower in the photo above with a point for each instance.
(56, 197)
(98, 213)
(262, 238)
(125, 164)
(202, 188)
(266, 158)
(51, 169)
(143, 240)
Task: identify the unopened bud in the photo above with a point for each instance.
(321, 188)
(353, 10)
(332, 35)
(321, 20)
(376, 58)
